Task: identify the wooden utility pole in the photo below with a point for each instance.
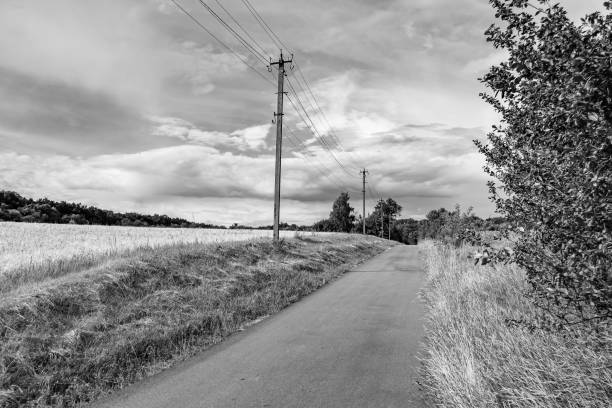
(279, 141)
(382, 219)
(363, 172)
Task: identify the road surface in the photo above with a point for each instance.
(351, 344)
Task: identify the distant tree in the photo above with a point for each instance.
(449, 226)
(13, 215)
(406, 231)
(433, 224)
(378, 220)
(324, 226)
(14, 207)
(552, 154)
(341, 217)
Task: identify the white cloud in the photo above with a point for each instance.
(418, 165)
(249, 139)
(409, 29)
(428, 42)
(253, 137)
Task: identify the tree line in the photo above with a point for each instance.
(14, 207)
(384, 221)
(384, 216)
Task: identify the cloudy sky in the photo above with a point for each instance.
(130, 106)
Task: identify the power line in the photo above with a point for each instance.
(309, 101)
(241, 39)
(321, 138)
(315, 132)
(317, 107)
(340, 187)
(327, 172)
(299, 100)
(276, 39)
(262, 24)
(271, 34)
(244, 30)
(238, 56)
(259, 54)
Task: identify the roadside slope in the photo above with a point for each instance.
(485, 348)
(69, 340)
(351, 344)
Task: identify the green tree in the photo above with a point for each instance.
(341, 217)
(406, 231)
(379, 219)
(552, 152)
(450, 226)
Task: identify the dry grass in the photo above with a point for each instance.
(474, 358)
(75, 337)
(32, 253)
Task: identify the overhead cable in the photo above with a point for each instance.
(238, 56)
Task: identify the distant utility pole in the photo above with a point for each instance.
(363, 172)
(382, 219)
(389, 227)
(279, 140)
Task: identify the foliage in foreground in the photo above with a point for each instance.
(552, 154)
(475, 357)
(106, 327)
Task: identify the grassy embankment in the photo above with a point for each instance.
(474, 358)
(32, 252)
(76, 336)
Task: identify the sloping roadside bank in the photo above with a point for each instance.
(70, 341)
(483, 348)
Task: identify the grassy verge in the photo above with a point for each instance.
(474, 358)
(75, 337)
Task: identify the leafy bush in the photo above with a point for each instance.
(552, 154)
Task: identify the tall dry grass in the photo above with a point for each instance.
(476, 358)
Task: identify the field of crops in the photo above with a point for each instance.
(28, 246)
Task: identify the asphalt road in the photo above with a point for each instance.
(351, 344)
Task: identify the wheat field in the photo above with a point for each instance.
(28, 249)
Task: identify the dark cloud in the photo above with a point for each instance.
(56, 116)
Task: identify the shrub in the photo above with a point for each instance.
(552, 154)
